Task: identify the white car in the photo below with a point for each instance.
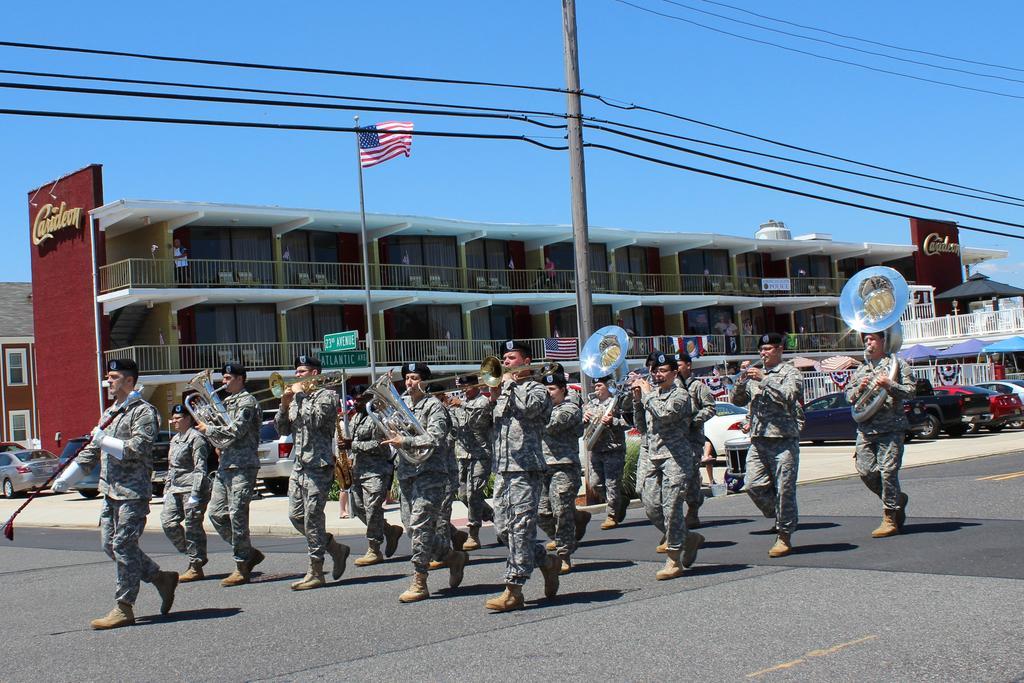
(725, 425)
(276, 459)
(1013, 387)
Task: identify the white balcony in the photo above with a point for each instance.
(950, 329)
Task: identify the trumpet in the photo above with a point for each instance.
(490, 373)
(741, 375)
(279, 385)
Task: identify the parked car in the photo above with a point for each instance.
(1005, 386)
(89, 486)
(25, 469)
(726, 424)
(10, 447)
(939, 412)
(1001, 409)
(276, 459)
(828, 418)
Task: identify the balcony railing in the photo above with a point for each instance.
(1009, 321)
(163, 273)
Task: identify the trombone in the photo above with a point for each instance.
(278, 385)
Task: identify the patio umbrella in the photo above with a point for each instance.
(971, 347)
(979, 286)
(838, 363)
(1011, 345)
(917, 352)
(801, 363)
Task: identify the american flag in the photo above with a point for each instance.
(384, 141)
(560, 348)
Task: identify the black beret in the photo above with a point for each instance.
(551, 367)
(466, 380)
(309, 362)
(513, 345)
(660, 358)
(683, 357)
(178, 409)
(771, 338)
(421, 369)
(124, 365)
(233, 368)
(604, 380)
(556, 378)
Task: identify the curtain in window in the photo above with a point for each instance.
(295, 247)
(327, 320)
(253, 246)
(256, 323)
(445, 322)
(300, 324)
(215, 324)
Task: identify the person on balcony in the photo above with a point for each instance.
(180, 262)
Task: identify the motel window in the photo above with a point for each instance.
(487, 254)
(311, 323)
(847, 267)
(711, 320)
(631, 260)
(314, 246)
(819, 319)
(426, 322)
(564, 322)
(17, 375)
(810, 266)
(637, 321)
(749, 265)
(426, 250)
(19, 425)
(249, 252)
(563, 255)
(230, 324)
(492, 322)
(704, 261)
(905, 266)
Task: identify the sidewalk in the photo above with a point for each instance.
(269, 515)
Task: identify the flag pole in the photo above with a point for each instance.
(366, 264)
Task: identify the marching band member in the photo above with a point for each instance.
(608, 457)
(879, 450)
(187, 492)
(775, 395)
(573, 396)
(703, 410)
(423, 486)
(311, 418)
(666, 409)
(123, 449)
(560, 445)
(236, 475)
(521, 411)
(372, 472)
(444, 520)
(471, 428)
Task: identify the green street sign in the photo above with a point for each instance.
(340, 341)
(342, 360)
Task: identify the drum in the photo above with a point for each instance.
(736, 454)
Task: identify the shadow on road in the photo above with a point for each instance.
(190, 615)
(583, 598)
(602, 541)
(823, 548)
(936, 527)
(712, 569)
(601, 564)
(717, 544)
(369, 578)
(726, 521)
(273, 578)
(465, 591)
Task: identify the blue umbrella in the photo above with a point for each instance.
(1011, 345)
(971, 347)
(917, 352)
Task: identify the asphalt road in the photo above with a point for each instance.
(943, 602)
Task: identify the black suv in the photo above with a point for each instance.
(89, 486)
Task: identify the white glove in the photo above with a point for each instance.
(112, 446)
(71, 475)
(95, 436)
(192, 502)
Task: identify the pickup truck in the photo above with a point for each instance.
(943, 413)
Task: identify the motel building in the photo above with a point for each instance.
(262, 284)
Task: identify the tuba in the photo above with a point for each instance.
(204, 404)
(389, 412)
(873, 300)
(604, 354)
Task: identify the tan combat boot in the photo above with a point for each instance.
(888, 526)
(692, 517)
(456, 562)
(193, 573)
(566, 561)
(459, 538)
(392, 535)
(901, 514)
(314, 578)
(473, 542)
(609, 523)
(782, 546)
(550, 546)
(417, 591)
(238, 577)
(166, 583)
(582, 520)
(371, 557)
(510, 599)
(339, 553)
(551, 568)
(691, 545)
(437, 564)
(671, 570)
(121, 615)
(662, 547)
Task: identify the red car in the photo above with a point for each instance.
(1002, 408)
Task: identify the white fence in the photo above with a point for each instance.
(820, 383)
(1008, 322)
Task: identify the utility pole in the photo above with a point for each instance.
(577, 180)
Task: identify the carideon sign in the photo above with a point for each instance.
(52, 218)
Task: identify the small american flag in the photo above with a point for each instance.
(560, 348)
(384, 141)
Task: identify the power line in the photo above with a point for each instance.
(842, 46)
(820, 56)
(865, 40)
(779, 188)
(262, 102)
(803, 179)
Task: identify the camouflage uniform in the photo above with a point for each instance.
(879, 447)
(471, 428)
(666, 414)
(703, 410)
(311, 420)
(187, 480)
(451, 489)
(126, 486)
(423, 486)
(608, 456)
(236, 476)
(774, 456)
(560, 444)
(372, 472)
(521, 412)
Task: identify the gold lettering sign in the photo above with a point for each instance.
(51, 219)
(934, 245)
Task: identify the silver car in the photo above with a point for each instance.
(276, 459)
(25, 469)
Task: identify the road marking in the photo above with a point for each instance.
(1003, 476)
(813, 653)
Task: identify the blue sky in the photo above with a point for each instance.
(954, 135)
